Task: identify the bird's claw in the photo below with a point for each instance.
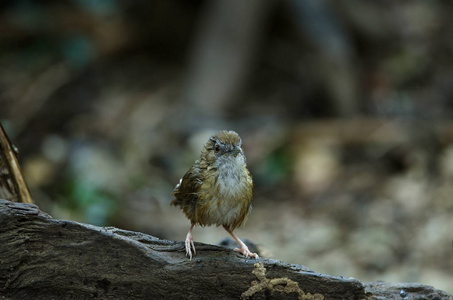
(189, 246)
(246, 252)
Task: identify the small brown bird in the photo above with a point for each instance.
(217, 189)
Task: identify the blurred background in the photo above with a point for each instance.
(344, 109)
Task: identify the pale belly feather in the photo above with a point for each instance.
(227, 202)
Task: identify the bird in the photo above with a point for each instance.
(217, 189)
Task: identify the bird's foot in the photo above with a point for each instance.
(190, 246)
(246, 252)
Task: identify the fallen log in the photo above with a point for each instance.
(45, 258)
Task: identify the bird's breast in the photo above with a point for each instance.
(227, 195)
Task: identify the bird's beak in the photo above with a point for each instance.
(235, 151)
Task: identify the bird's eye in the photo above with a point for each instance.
(217, 148)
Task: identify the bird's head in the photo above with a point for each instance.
(223, 147)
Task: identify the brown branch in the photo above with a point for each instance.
(12, 183)
(44, 258)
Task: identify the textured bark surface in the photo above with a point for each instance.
(44, 258)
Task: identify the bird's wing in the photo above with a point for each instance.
(186, 191)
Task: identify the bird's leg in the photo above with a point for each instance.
(244, 249)
(189, 243)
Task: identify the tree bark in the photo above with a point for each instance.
(44, 258)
